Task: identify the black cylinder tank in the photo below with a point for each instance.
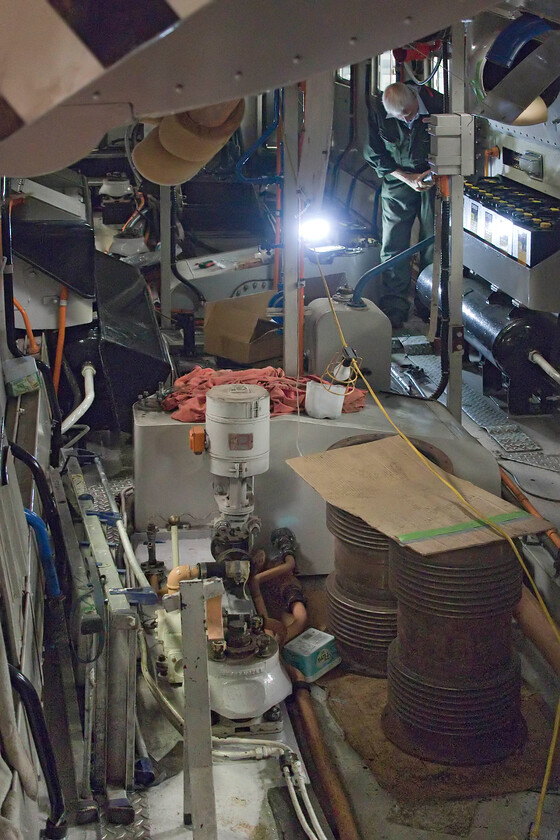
(502, 332)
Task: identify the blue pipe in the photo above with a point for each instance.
(45, 553)
(277, 299)
(378, 269)
(261, 179)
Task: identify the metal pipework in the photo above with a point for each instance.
(453, 682)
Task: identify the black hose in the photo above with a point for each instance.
(6, 218)
(56, 826)
(199, 297)
(56, 414)
(445, 247)
(444, 287)
(50, 512)
(352, 137)
(353, 181)
(445, 62)
(375, 232)
(72, 382)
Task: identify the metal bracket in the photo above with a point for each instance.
(137, 594)
(457, 339)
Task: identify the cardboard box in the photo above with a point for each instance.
(239, 329)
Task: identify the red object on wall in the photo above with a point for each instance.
(417, 51)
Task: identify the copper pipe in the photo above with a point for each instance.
(535, 625)
(345, 823)
(272, 626)
(298, 621)
(284, 568)
(552, 533)
(493, 152)
(275, 627)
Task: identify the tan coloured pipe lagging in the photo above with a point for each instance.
(342, 812)
(179, 573)
(298, 623)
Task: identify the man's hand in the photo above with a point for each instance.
(414, 180)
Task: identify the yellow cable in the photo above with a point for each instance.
(538, 815)
(494, 527)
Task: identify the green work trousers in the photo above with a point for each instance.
(400, 207)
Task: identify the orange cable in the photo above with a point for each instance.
(552, 533)
(139, 207)
(33, 346)
(63, 301)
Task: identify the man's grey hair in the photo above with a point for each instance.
(397, 98)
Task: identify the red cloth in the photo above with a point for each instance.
(188, 400)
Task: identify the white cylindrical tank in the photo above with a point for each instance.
(238, 429)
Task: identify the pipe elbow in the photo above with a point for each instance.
(180, 573)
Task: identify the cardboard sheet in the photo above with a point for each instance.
(386, 484)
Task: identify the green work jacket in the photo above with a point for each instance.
(392, 145)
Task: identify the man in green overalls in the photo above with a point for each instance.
(398, 151)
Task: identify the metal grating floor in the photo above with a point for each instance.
(484, 412)
(138, 830)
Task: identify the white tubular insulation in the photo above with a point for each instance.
(88, 372)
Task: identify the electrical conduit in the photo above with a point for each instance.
(62, 304)
(33, 346)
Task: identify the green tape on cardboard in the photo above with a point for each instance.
(469, 525)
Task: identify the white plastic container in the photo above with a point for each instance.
(325, 399)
